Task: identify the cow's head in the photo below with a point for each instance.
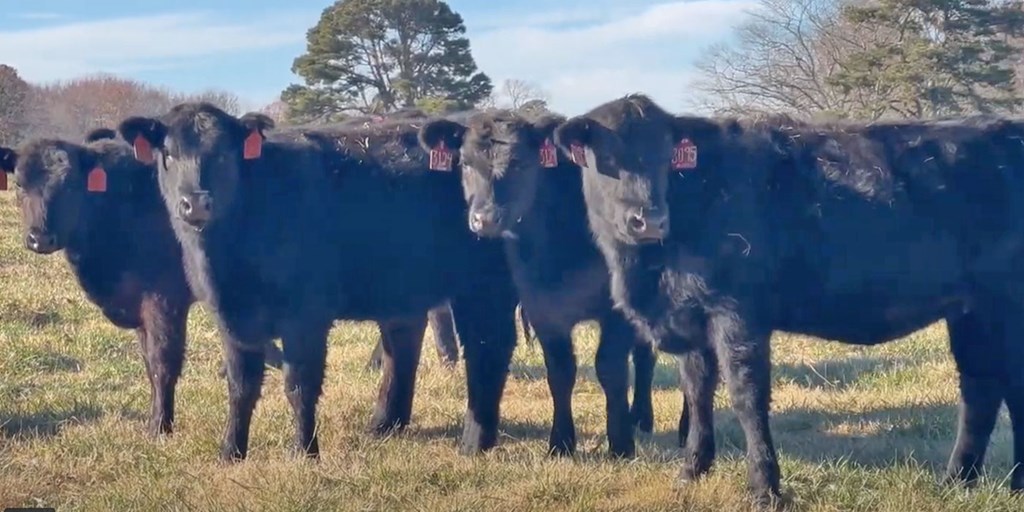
(200, 152)
(63, 188)
(627, 148)
(100, 134)
(501, 157)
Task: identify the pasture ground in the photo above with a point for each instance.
(858, 429)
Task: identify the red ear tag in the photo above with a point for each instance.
(440, 158)
(684, 156)
(579, 155)
(3, 179)
(548, 154)
(97, 180)
(253, 147)
(143, 149)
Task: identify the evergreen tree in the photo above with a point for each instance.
(376, 56)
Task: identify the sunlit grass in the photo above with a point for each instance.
(858, 429)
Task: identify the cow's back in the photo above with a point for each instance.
(367, 235)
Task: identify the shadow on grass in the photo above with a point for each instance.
(873, 439)
(20, 313)
(46, 424)
(838, 374)
(508, 431)
(835, 374)
(666, 376)
(52, 362)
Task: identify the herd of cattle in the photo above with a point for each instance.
(695, 236)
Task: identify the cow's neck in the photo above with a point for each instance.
(98, 253)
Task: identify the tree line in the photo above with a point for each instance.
(869, 59)
(866, 59)
(68, 109)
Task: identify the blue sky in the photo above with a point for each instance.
(581, 52)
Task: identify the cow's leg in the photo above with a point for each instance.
(305, 359)
(1015, 404)
(273, 359)
(445, 340)
(487, 330)
(745, 360)
(617, 340)
(560, 362)
(642, 409)
(376, 358)
(244, 354)
(698, 378)
(1012, 358)
(684, 418)
(402, 341)
(529, 334)
(162, 336)
(974, 344)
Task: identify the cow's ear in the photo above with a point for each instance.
(442, 130)
(254, 126)
(91, 163)
(441, 139)
(689, 134)
(144, 134)
(544, 128)
(577, 131)
(100, 134)
(576, 137)
(8, 159)
(544, 135)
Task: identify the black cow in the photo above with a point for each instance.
(520, 190)
(103, 208)
(859, 233)
(445, 339)
(440, 318)
(281, 237)
(273, 354)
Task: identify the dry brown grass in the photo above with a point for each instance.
(858, 429)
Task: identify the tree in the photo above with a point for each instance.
(525, 97)
(277, 110)
(70, 108)
(782, 56)
(518, 93)
(951, 57)
(227, 101)
(374, 56)
(436, 105)
(14, 94)
(308, 105)
(865, 59)
(534, 108)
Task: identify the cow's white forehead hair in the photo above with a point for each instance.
(55, 158)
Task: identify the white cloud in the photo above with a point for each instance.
(498, 19)
(36, 16)
(648, 51)
(122, 45)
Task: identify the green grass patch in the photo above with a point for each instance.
(858, 429)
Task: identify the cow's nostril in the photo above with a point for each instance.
(476, 220)
(185, 206)
(636, 222)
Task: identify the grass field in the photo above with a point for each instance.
(857, 429)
